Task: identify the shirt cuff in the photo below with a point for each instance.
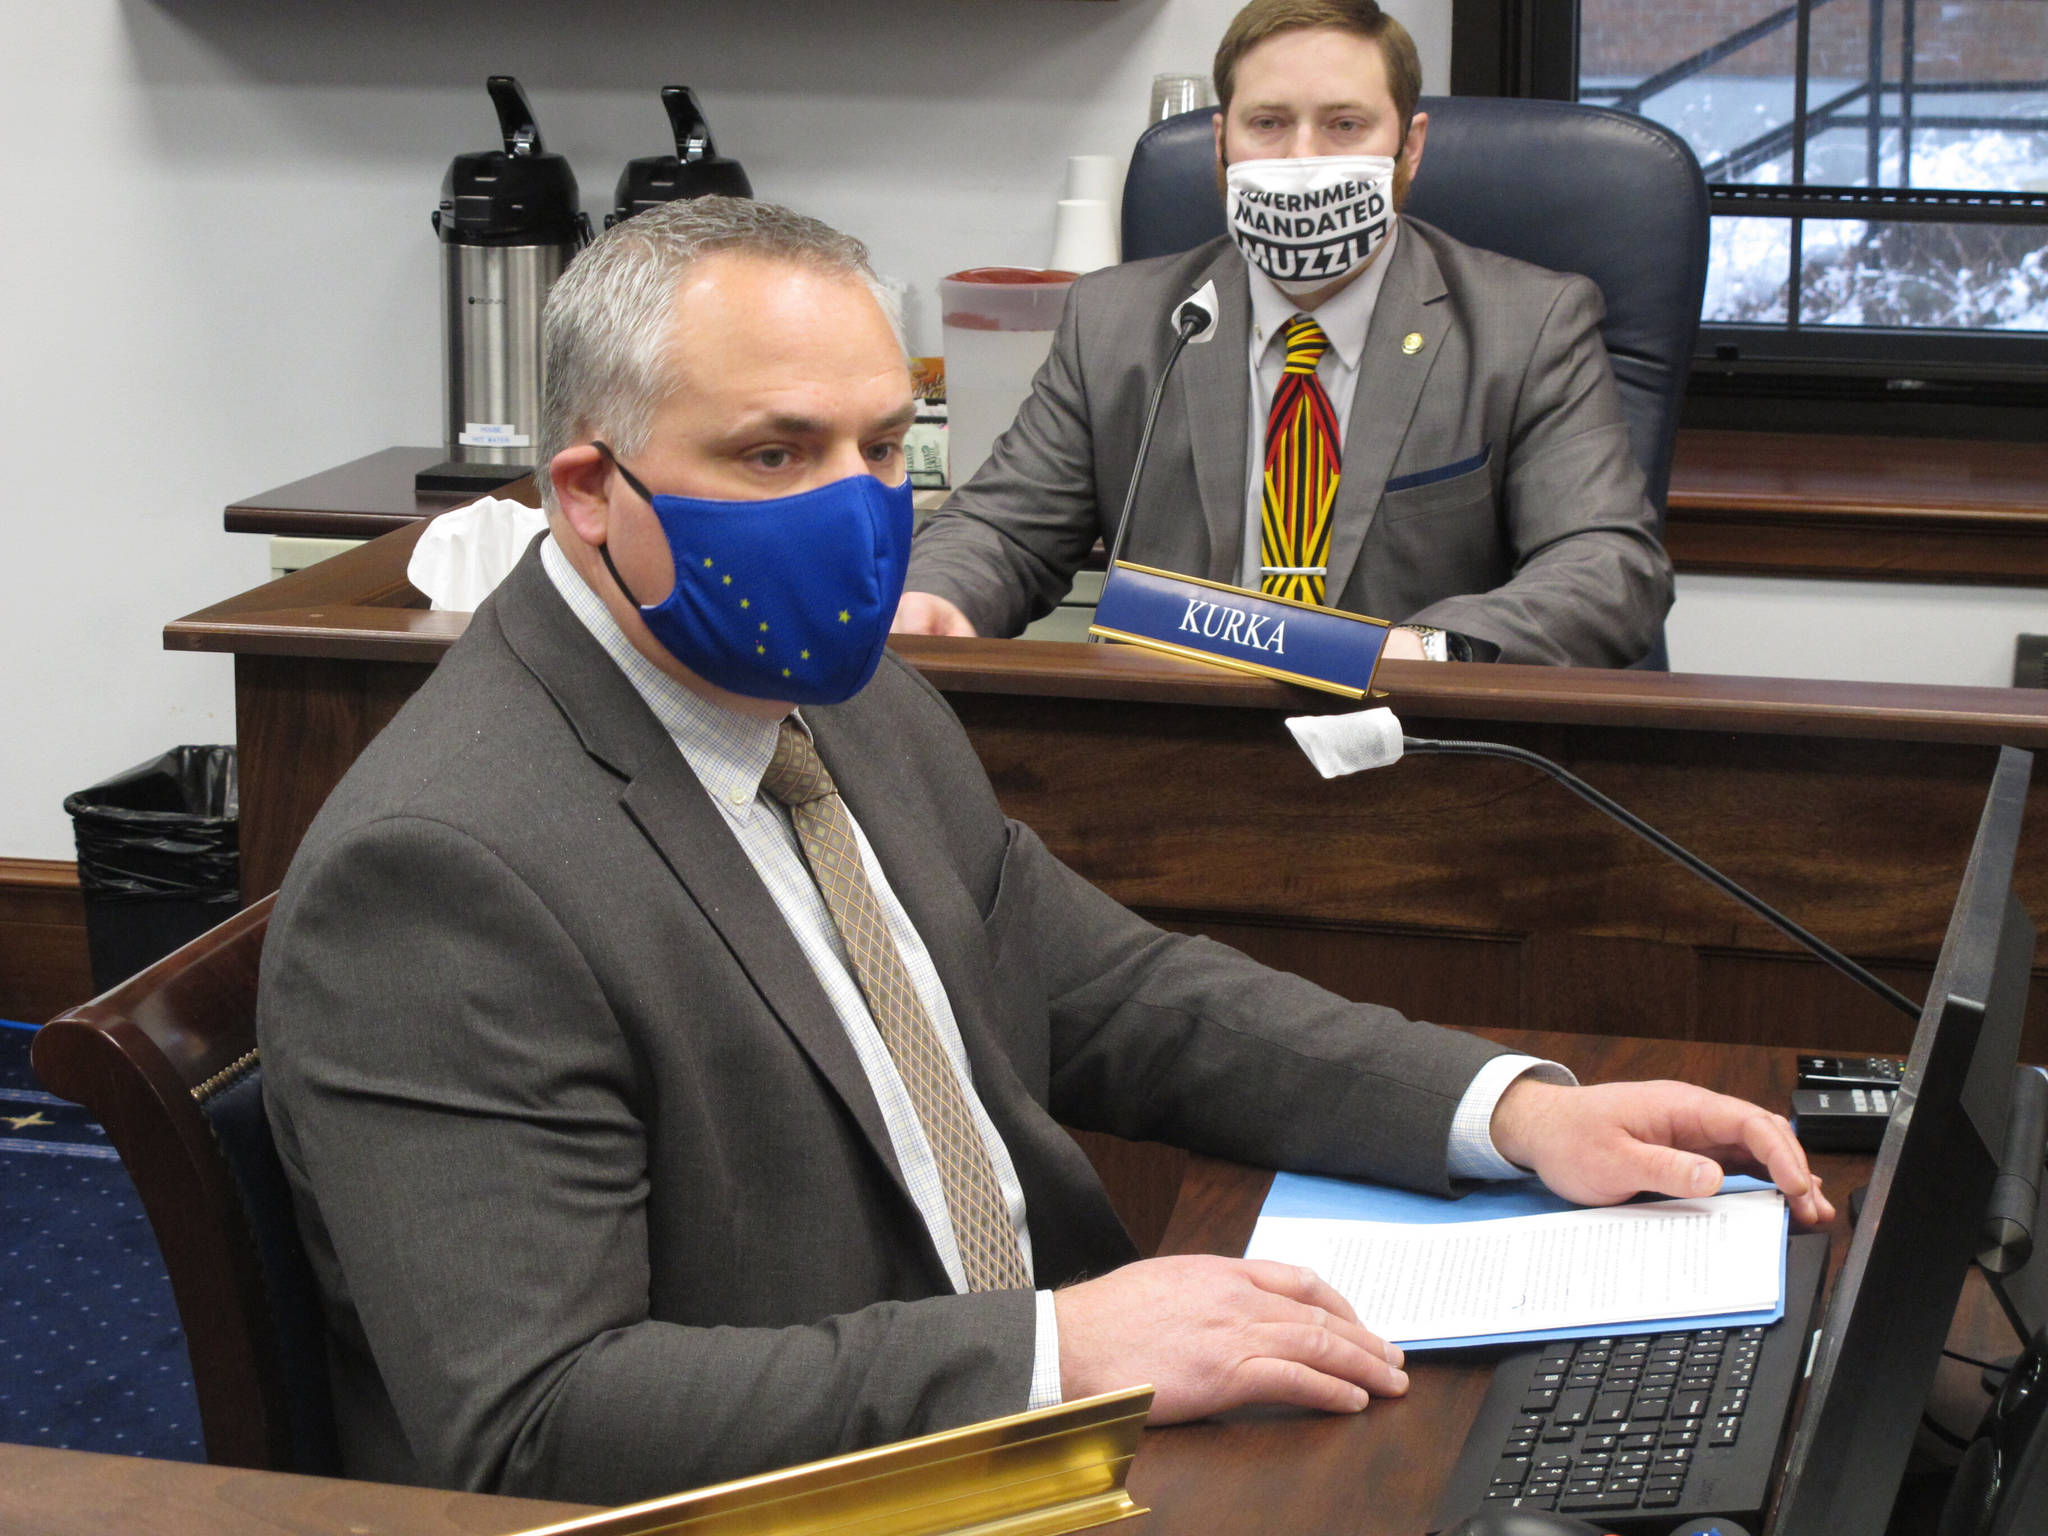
(1472, 1154)
(1045, 1358)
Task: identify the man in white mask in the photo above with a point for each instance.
(1388, 421)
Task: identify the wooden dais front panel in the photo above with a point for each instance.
(1480, 893)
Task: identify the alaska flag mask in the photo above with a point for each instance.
(1307, 221)
(788, 599)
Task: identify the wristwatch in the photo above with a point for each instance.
(1436, 644)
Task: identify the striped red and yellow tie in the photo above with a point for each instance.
(1301, 468)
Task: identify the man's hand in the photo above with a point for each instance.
(1403, 645)
(922, 613)
(1212, 1333)
(1604, 1144)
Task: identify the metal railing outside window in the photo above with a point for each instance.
(1878, 169)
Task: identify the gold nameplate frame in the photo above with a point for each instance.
(1032, 1474)
(1239, 629)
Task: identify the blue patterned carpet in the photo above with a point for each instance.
(91, 1354)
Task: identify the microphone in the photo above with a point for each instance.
(1200, 310)
(1194, 321)
(1339, 744)
(2007, 1241)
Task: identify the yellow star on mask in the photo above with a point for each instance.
(23, 1122)
(845, 617)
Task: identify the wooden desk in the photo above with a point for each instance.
(1469, 891)
(1741, 503)
(1871, 508)
(357, 500)
(71, 1493)
(1276, 1471)
(1381, 1471)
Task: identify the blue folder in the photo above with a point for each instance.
(1301, 1194)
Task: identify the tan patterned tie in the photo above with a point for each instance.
(981, 1219)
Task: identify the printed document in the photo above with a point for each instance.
(1610, 1267)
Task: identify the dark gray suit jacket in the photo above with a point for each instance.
(1488, 486)
(600, 1202)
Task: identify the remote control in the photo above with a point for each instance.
(1850, 1071)
(1842, 1119)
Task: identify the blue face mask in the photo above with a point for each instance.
(788, 599)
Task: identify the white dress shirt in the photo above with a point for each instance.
(729, 753)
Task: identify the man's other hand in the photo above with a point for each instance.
(1604, 1144)
(1212, 1333)
(1403, 645)
(921, 613)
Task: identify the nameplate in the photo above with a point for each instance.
(1242, 630)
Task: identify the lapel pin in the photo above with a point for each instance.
(1412, 343)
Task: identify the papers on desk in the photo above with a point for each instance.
(1513, 1262)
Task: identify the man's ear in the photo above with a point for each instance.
(1411, 147)
(582, 481)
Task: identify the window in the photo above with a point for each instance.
(1878, 168)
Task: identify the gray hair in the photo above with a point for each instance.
(605, 330)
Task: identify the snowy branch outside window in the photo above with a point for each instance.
(1918, 94)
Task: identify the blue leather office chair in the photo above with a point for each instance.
(167, 1062)
(1573, 188)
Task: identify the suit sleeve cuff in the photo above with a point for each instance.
(1472, 1154)
(1045, 1357)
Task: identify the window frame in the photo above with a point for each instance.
(1531, 48)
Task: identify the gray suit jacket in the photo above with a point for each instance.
(599, 1200)
(1488, 486)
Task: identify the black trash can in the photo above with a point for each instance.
(158, 859)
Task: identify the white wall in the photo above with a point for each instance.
(218, 274)
(1855, 631)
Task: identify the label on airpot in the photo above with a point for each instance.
(492, 434)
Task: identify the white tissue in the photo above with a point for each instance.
(465, 553)
(1341, 744)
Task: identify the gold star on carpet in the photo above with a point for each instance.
(23, 1122)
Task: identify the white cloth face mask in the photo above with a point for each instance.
(1308, 221)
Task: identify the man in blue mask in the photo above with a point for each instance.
(668, 1039)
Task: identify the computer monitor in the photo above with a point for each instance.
(1893, 1302)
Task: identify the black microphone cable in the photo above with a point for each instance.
(1187, 324)
(1691, 861)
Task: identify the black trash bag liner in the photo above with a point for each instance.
(158, 858)
(165, 828)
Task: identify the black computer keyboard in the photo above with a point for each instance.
(1641, 1432)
